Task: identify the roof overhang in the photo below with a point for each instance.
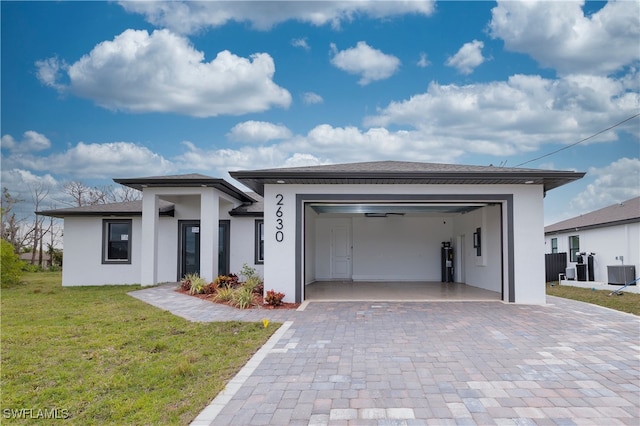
(549, 179)
(184, 181)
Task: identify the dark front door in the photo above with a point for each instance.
(223, 247)
(189, 247)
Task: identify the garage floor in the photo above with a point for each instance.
(396, 291)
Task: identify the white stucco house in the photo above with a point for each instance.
(612, 233)
(376, 221)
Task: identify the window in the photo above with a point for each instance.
(116, 237)
(574, 248)
(554, 245)
(259, 256)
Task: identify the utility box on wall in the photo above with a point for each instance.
(621, 274)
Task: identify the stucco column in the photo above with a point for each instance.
(209, 219)
(149, 239)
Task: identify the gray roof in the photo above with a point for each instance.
(255, 209)
(184, 181)
(616, 214)
(128, 208)
(402, 172)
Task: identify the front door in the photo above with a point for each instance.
(223, 247)
(189, 247)
(341, 251)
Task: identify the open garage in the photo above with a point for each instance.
(386, 222)
(401, 250)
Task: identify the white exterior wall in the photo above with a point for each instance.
(607, 243)
(528, 269)
(528, 240)
(484, 271)
(242, 243)
(82, 261)
(83, 242)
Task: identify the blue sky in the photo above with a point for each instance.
(97, 90)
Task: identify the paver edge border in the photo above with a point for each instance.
(211, 411)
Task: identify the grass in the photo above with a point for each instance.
(102, 357)
(627, 302)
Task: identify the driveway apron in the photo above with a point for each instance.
(440, 363)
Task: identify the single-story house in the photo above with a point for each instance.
(609, 236)
(374, 221)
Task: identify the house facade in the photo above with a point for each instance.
(612, 234)
(379, 221)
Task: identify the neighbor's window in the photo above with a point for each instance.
(554, 245)
(574, 247)
(259, 241)
(116, 239)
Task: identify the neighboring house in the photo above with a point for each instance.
(612, 233)
(377, 221)
(46, 259)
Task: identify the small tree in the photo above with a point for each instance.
(11, 265)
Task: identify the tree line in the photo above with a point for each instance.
(36, 234)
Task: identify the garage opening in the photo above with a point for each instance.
(391, 250)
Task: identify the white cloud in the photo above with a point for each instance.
(467, 58)
(558, 35)
(617, 182)
(97, 161)
(371, 64)
(300, 42)
(258, 131)
(517, 115)
(310, 98)
(189, 16)
(31, 141)
(423, 62)
(162, 72)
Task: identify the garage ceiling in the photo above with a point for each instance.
(382, 209)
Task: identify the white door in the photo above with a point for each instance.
(341, 251)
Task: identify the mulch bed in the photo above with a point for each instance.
(258, 301)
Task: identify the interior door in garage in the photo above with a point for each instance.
(341, 266)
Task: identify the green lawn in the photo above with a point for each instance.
(627, 302)
(99, 356)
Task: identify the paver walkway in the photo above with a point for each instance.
(440, 363)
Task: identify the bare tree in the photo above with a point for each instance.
(78, 192)
(39, 192)
(83, 195)
(11, 226)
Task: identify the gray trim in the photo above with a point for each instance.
(302, 199)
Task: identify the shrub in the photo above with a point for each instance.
(247, 271)
(197, 283)
(229, 281)
(243, 297)
(210, 288)
(224, 294)
(273, 298)
(11, 267)
(254, 282)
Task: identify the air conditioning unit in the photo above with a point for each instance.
(621, 274)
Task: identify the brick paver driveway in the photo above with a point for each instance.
(484, 363)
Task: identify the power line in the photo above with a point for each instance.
(580, 141)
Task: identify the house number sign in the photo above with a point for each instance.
(279, 221)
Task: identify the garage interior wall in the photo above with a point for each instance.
(405, 248)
